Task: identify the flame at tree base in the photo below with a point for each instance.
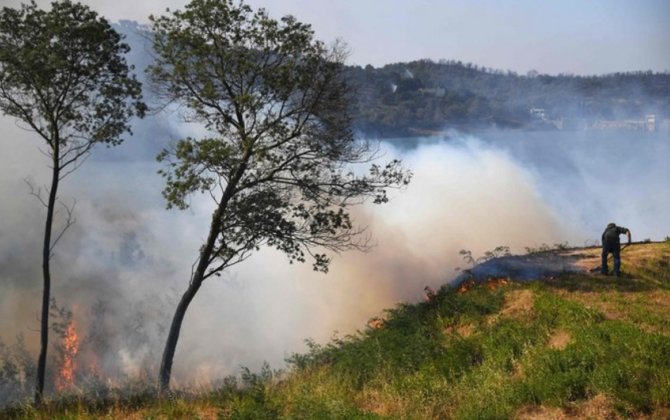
(65, 378)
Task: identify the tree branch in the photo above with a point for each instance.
(36, 193)
(69, 221)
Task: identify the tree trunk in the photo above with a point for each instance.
(46, 274)
(197, 278)
(173, 336)
(196, 281)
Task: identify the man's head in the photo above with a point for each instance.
(611, 225)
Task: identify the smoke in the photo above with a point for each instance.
(124, 264)
(591, 178)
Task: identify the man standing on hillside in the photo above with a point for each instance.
(612, 245)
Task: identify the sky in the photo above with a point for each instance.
(567, 36)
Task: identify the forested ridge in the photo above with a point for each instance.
(423, 96)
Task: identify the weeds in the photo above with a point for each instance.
(544, 248)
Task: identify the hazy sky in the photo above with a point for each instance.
(574, 36)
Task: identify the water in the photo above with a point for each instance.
(588, 177)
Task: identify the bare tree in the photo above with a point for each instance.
(278, 164)
(63, 76)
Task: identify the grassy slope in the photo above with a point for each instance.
(577, 346)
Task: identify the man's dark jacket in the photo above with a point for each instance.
(611, 236)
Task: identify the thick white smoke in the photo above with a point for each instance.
(130, 257)
(463, 195)
(126, 261)
(127, 251)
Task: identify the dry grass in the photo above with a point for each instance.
(599, 407)
(518, 304)
(540, 413)
(378, 402)
(633, 257)
(559, 340)
(635, 297)
(464, 330)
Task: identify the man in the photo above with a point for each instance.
(612, 245)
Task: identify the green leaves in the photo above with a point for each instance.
(278, 162)
(64, 75)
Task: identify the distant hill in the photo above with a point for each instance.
(424, 96)
(573, 345)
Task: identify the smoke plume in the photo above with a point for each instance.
(124, 264)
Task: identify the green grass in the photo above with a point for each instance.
(484, 354)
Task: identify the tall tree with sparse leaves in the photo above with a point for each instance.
(278, 160)
(63, 75)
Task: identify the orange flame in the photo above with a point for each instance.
(70, 349)
(491, 283)
(465, 286)
(376, 323)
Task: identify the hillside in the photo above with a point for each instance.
(421, 97)
(573, 345)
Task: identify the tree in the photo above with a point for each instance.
(278, 163)
(63, 76)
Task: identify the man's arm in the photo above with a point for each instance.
(628, 234)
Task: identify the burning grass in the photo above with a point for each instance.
(488, 350)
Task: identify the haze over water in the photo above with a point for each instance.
(587, 177)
